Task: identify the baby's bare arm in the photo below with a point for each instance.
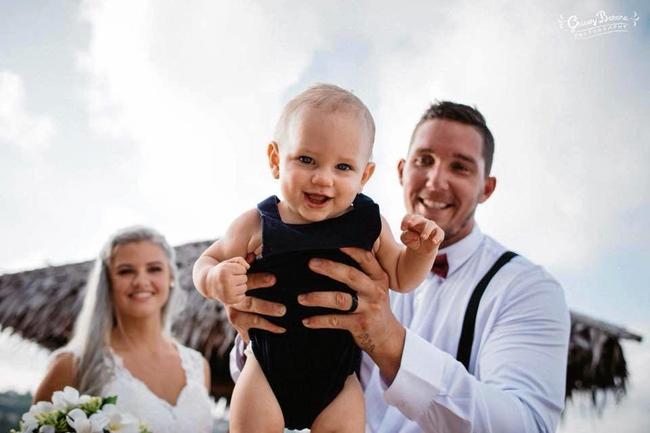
(220, 271)
(408, 264)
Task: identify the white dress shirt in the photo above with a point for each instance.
(517, 370)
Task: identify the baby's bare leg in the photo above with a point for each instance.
(346, 413)
(254, 407)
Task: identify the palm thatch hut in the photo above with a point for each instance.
(41, 305)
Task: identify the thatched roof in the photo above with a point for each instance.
(596, 361)
(41, 305)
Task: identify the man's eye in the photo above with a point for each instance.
(155, 269)
(423, 160)
(460, 167)
(124, 271)
(344, 167)
(306, 159)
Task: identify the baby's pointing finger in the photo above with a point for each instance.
(427, 230)
(408, 221)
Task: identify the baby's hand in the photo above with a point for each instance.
(227, 281)
(421, 234)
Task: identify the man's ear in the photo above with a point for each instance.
(273, 152)
(488, 188)
(400, 170)
(367, 173)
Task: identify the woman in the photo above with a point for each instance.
(122, 344)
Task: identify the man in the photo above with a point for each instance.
(514, 374)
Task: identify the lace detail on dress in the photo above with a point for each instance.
(191, 413)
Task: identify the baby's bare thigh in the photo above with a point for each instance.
(254, 408)
(346, 413)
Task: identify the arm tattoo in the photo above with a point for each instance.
(365, 343)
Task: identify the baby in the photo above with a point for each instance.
(305, 378)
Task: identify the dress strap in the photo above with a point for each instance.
(192, 363)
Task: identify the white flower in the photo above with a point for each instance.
(68, 399)
(29, 419)
(29, 423)
(79, 421)
(47, 429)
(41, 407)
(119, 422)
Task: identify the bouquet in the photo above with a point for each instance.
(71, 413)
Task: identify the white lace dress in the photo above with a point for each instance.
(191, 413)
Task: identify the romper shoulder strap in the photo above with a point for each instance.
(467, 333)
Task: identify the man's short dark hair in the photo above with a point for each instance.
(463, 114)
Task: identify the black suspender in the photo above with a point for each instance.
(467, 334)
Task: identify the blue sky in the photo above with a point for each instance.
(123, 112)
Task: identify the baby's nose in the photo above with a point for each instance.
(322, 177)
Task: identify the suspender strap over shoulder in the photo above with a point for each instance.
(469, 322)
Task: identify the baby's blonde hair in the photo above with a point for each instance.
(326, 97)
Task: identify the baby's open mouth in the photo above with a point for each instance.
(317, 199)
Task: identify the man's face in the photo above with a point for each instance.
(444, 176)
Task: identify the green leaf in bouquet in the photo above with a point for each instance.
(109, 400)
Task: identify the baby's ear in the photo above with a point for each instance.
(273, 152)
(367, 173)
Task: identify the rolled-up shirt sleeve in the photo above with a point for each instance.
(520, 376)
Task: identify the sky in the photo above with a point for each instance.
(151, 112)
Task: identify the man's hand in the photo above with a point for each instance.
(373, 325)
(245, 314)
(421, 234)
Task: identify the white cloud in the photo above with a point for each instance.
(18, 127)
(197, 89)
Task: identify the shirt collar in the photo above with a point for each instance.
(459, 252)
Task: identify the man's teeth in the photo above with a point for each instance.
(434, 204)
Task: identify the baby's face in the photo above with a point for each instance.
(322, 166)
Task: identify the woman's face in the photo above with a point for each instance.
(140, 278)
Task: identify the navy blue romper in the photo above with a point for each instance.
(307, 368)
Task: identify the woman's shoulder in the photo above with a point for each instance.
(63, 363)
(61, 372)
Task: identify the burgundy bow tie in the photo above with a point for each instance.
(440, 266)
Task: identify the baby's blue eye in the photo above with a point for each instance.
(344, 167)
(306, 159)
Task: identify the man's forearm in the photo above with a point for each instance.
(387, 353)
